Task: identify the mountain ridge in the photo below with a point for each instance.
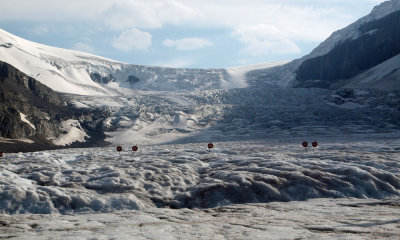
(378, 41)
(32, 114)
(294, 74)
(80, 73)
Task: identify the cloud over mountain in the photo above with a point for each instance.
(187, 43)
(132, 39)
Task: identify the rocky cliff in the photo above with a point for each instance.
(376, 42)
(32, 112)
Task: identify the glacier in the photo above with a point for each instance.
(238, 190)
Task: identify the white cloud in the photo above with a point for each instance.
(176, 62)
(40, 30)
(303, 20)
(84, 47)
(288, 22)
(132, 39)
(264, 39)
(54, 11)
(147, 13)
(187, 43)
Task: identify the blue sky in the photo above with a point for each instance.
(183, 33)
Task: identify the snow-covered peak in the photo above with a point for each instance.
(60, 69)
(81, 73)
(9, 40)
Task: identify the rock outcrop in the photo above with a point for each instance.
(31, 110)
(377, 42)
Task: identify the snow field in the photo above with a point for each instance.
(72, 72)
(72, 132)
(238, 74)
(189, 176)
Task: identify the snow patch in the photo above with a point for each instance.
(72, 132)
(237, 75)
(79, 104)
(9, 140)
(25, 120)
(383, 76)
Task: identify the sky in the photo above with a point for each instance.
(183, 33)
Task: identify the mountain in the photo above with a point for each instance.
(90, 87)
(33, 114)
(334, 91)
(81, 73)
(363, 55)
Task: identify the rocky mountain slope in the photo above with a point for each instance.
(379, 41)
(32, 114)
(353, 57)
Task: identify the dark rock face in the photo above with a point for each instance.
(379, 41)
(43, 107)
(10, 124)
(20, 93)
(6, 45)
(100, 79)
(133, 79)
